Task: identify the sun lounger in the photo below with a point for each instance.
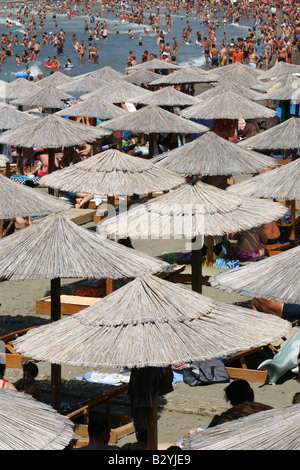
(70, 304)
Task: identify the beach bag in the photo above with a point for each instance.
(205, 373)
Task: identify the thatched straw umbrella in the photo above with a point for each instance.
(280, 183)
(117, 92)
(239, 75)
(185, 76)
(285, 135)
(163, 323)
(227, 105)
(280, 81)
(19, 200)
(11, 118)
(236, 66)
(141, 76)
(193, 211)
(107, 73)
(279, 69)
(274, 429)
(84, 84)
(156, 64)
(276, 277)
(211, 155)
(223, 85)
(51, 132)
(63, 249)
(55, 79)
(286, 93)
(113, 173)
(166, 97)
(17, 88)
(153, 120)
(27, 424)
(93, 107)
(48, 97)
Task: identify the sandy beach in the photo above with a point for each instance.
(185, 408)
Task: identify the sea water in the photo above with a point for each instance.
(114, 50)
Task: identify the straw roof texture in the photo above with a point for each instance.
(223, 85)
(141, 76)
(227, 105)
(281, 68)
(153, 119)
(164, 323)
(55, 79)
(274, 429)
(22, 201)
(47, 97)
(235, 66)
(117, 91)
(240, 75)
(11, 118)
(212, 155)
(289, 91)
(107, 73)
(192, 210)
(51, 132)
(94, 107)
(156, 64)
(27, 424)
(82, 85)
(167, 96)
(18, 88)
(276, 277)
(64, 249)
(186, 75)
(278, 82)
(280, 183)
(113, 173)
(285, 135)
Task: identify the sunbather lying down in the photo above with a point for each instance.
(289, 312)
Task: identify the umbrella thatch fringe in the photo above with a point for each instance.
(193, 210)
(155, 64)
(235, 68)
(27, 424)
(84, 84)
(164, 323)
(274, 429)
(113, 173)
(11, 118)
(185, 75)
(55, 79)
(227, 105)
(167, 96)
(51, 131)
(274, 278)
(118, 91)
(153, 119)
(93, 107)
(212, 155)
(223, 85)
(17, 200)
(46, 97)
(64, 249)
(19, 87)
(279, 69)
(285, 135)
(141, 76)
(280, 183)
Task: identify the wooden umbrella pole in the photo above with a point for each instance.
(210, 251)
(51, 153)
(110, 285)
(293, 220)
(151, 146)
(196, 269)
(55, 368)
(152, 440)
